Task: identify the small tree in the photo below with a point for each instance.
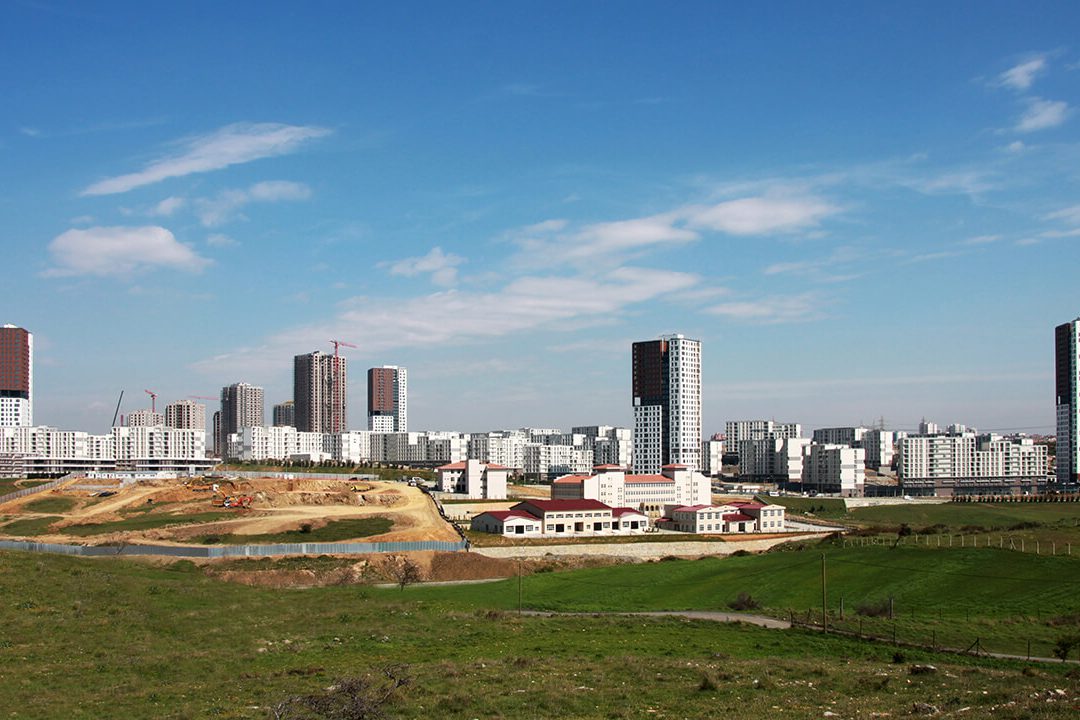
(403, 570)
(354, 698)
(1064, 646)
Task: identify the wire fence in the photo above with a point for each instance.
(1001, 541)
(35, 489)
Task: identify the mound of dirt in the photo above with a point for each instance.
(470, 566)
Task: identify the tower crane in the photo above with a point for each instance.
(153, 400)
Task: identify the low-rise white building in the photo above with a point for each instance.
(731, 517)
(563, 518)
(473, 479)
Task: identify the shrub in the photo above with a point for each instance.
(875, 608)
(745, 601)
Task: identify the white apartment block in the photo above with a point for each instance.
(835, 469)
(773, 459)
(736, 431)
(880, 447)
(144, 418)
(850, 436)
(712, 456)
(473, 479)
(502, 447)
(610, 445)
(967, 464)
(186, 414)
(547, 461)
(43, 450)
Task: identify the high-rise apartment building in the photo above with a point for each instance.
(1067, 385)
(186, 415)
(667, 403)
(285, 414)
(145, 418)
(16, 376)
(319, 392)
(241, 406)
(388, 399)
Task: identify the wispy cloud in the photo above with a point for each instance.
(1020, 77)
(225, 207)
(1070, 215)
(454, 317)
(822, 269)
(553, 242)
(773, 309)
(441, 266)
(1042, 114)
(119, 251)
(981, 240)
(230, 145)
(219, 240)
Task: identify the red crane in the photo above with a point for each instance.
(202, 397)
(337, 392)
(153, 400)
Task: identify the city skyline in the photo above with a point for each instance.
(872, 213)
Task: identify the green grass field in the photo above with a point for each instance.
(333, 531)
(145, 522)
(51, 504)
(109, 638)
(29, 527)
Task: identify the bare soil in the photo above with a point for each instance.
(277, 505)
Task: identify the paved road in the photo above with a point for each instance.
(760, 620)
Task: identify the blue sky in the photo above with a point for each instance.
(862, 210)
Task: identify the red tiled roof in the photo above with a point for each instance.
(461, 466)
(746, 504)
(608, 467)
(675, 466)
(648, 479)
(563, 505)
(619, 512)
(738, 517)
(503, 515)
(569, 479)
(693, 508)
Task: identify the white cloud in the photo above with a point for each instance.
(772, 309)
(107, 251)
(1070, 215)
(550, 243)
(761, 215)
(230, 145)
(442, 266)
(981, 240)
(83, 220)
(223, 208)
(453, 316)
(1016, 146)
(1020, 77)
(1042, 114)
(167, 206)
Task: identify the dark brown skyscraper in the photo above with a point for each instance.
(319, 393)
(16, 376)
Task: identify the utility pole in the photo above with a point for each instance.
(824, 599)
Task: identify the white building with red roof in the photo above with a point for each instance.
(563, 518)
(473, 479)
(732, 517)
(611, 484)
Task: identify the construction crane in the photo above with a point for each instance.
(337, 392)
(202, 397)
(153, 400)
(117, 412)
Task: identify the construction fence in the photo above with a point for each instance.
(234, 551)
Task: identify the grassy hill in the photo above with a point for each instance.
(109, 638)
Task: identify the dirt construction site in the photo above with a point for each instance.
(176, 511)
